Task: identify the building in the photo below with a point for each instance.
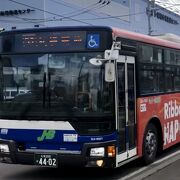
(127, 14)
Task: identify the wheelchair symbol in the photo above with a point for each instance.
(92, 42)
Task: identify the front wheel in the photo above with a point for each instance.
(150, 144)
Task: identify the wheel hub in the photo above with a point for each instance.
(151, 143)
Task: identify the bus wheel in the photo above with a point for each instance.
(150, 144)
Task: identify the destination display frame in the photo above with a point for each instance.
(55, 41)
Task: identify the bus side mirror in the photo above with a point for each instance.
(109, 67)
(109, 72)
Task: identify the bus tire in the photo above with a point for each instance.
(150, 144)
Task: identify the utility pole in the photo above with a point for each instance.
(149, 14)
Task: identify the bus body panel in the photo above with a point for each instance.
(166, 108)
(48, 135)
(62, 140)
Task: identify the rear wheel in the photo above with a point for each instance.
(150, 144)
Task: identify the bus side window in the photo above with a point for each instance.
(177, 58)
(169, 57)
(172, 76)
(177, 79)
(157, 55)
(151, 79)
(146, 54)
(169, 76)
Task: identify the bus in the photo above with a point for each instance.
(93, 96)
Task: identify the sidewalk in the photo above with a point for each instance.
(158, 166)
(171, 172)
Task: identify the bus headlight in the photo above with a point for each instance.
(4, 148)
(97, 152)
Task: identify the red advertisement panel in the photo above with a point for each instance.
(166, 110)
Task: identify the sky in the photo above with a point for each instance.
(172, 5)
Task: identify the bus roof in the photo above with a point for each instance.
(116, 32)
(145, 38)
(58, 28)
(169, 37)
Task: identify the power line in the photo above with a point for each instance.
(119, 16)
(75, 11)
(87, 10)
(49, 12)
(64, 18)
(105, 2)
(98, 18)
(16, 21)
(28, 20)
(109, 17)
(98, 5)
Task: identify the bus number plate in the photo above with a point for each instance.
(47, 160)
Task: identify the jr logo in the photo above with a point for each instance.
(47, 134)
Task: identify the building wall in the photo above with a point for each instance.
(126, 14)
(164, 21)
(20, 19)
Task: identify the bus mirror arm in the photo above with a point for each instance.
(109, 55)
(113, 53)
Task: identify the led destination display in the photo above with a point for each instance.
(50, 41)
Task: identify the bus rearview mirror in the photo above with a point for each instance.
(109, 72)
(95, 61)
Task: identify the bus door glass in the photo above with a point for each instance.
(126, 107)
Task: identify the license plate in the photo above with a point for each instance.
(47, 160)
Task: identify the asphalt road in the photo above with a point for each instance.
(18, 172)
(22, 172)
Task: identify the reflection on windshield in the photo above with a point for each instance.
(50, 86)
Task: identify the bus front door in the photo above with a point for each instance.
(126, 108)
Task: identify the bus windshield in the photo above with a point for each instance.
(53, 87)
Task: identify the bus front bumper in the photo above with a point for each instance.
(11, 155)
